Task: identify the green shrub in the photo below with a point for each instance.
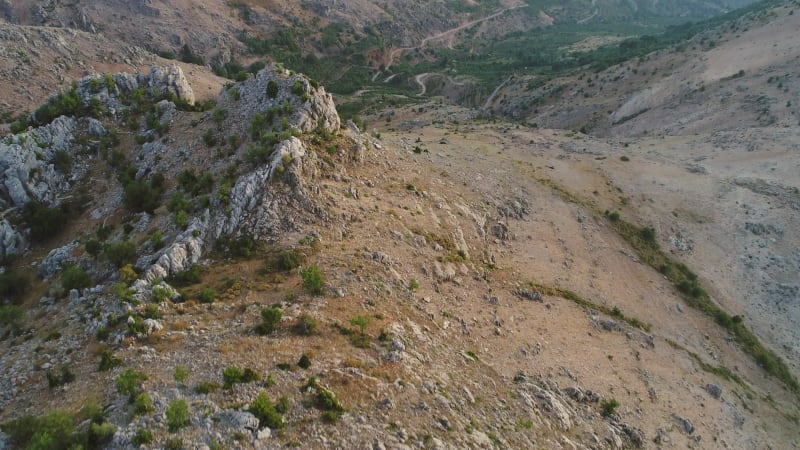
(207, 295)
(180, 374)
(180, 219)
(100, 434)
(161, 294)
(108, 361)
(283, 405)
(139, 195)
(13, 285)
(209, 138)
(361, 321)
(177, 414)
(306, 325)
(62, 161)
(298, 88)
(142, 437)
(289, 260)
(128, 383)
(45, 222)
(194, 185)
(313, 279)
(121, 253)
(264, 410)
(93, 247)
(59, 377)
(272, 89)
(270, 319)
(206, 387)
(102, 334)
(219, 115)
(174, 444)
(11, 315)
(235, 375)
(178, 202)
(64, 104)
(608, 407)
(187, 277)
(142, 404)
(75, 278)
(304, 362)
(53, 431)
(648, 234)
(326, 400)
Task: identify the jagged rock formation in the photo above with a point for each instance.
(274, 196)
(11, 241)
(27, 169)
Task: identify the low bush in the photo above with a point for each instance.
(270, 320)
(180, 374)
(306, 325)
(142, 437)
(608, 407)
(59, 377)
(186, 278)
(206, 387)
(313, 279)
(128, 383)
(45, 222)
(177, 414)
(207, 295)
(263, 408)
(13, 285)
(236, 375)
(58, 430)
(121, 253)
(142, 404)
(75, 278)
(108, 361)
(289, 260)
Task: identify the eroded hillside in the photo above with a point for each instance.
(193, 262)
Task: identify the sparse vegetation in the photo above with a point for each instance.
(306, 325)
(61, 430)
(75, 278)
(236, 375)
(270, 320)
(326, 400)
(263, 408)
(608, 407)
(60, 376)
(313, 279)
(177, 414)
(180, 374)
(304, 362)
(108, 361)
(129, 382)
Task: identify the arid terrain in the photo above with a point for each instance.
(606, 260)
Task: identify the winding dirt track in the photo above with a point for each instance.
(396, 52)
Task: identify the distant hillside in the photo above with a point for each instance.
(730, 70)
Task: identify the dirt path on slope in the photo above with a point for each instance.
(394, 54)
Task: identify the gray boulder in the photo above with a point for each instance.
(11, 242)
(240, 421)
(182, 254)
(55, 260)
(714, 390)
(27, 171)
(170, 79)
(684, 423)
